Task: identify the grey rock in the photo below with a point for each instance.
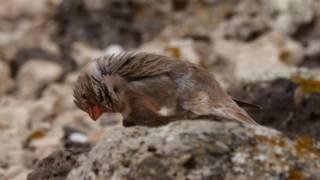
(250, 21)
(272, 57)
(5, 79)
(292, 14)
(197, 150)
(16, 8)
(13, 122)
(35, 75)
(56, 166)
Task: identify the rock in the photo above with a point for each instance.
(280, 111)
(309, 31)
(311, 55)
(113, 49)
(13, 124)
(93, 4)
(192, 150)
(242, 28)
(41, 110)
(14, 173)
(16, 8)
(71, 78)
(195, 150)
(63, 95)
(183, 49)
(78, 138)
(269, 57)
(28, 27)
(248, 20)
(56, 166)
(127, 23)
(47, 134)
(35, 75)
(75, 119)
(83, 53)
(5, 78)
(291, 14)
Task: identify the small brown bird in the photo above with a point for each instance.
(152, 90)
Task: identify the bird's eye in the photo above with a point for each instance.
(84, 96)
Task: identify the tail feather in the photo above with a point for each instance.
(244, 117)
(234, 113)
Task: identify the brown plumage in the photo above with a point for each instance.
(152, 90)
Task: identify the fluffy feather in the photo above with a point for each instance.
(139, 84)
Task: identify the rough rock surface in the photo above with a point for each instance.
(196, 150)
(57, 165)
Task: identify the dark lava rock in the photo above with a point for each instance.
(279, 109)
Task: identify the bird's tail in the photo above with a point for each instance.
(234, 113)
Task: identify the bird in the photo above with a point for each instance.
(153, 90)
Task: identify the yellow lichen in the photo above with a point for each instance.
(305, 144)
(276, 141)
(284, 55)
(307, 85)
(295, 175)
(35, 135)
(174, 52)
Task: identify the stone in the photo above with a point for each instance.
(127, 23)
(84, 53)
(113, 49)
(183, 49)
(40, 110)
(59, 164)
(268, 57)
(63, 95)
(35, 75)
(292, 14)
(6, 81)
(281, 109)
(13, 124)
(191, 150)
(245, 26)
(195, 150)
(16, 8)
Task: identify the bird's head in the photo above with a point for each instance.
(96, 94)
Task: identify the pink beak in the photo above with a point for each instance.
(95, 112)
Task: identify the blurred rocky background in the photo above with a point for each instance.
(262, 51)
